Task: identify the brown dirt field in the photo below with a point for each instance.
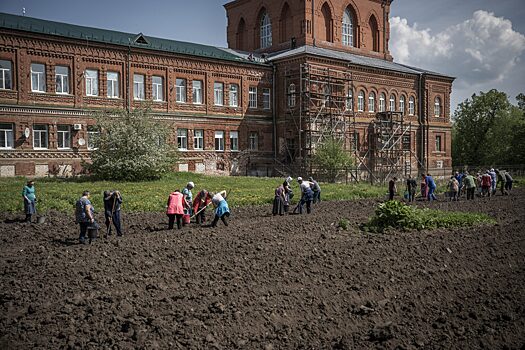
(291, 282)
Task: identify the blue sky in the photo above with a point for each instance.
(481, 42)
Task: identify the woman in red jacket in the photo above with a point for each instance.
(175, 209)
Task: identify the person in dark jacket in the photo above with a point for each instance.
(392, 188)
(502, 180)
(316, 189)
(509, 181)
(278, 201)
(200, 203)
(85, 216)
(112, 202)
(411, 188)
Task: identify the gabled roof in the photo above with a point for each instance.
(65, 30)
(352, 59)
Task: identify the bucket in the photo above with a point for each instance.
(186, 219)
(40, 219)
(92, 233)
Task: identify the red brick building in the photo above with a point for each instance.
(295, 73)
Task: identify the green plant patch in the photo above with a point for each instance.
(399, 216)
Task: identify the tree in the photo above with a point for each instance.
(332, 159)
(131, 146)
(481, 129)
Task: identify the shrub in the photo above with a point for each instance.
(131, 146)
(331, 159)
(398, 215)
(344, 224)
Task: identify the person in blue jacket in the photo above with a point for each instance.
(431, 184)
(28, 193)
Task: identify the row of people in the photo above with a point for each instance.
(484, 184)
(310, 192)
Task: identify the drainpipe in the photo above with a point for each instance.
(128, 76)
(421, 122)
(274, 112)
(313, 21)
(383, 5)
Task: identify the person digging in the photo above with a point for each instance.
(112, 203)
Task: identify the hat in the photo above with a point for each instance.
(190, 184)
(299, 179)
(310, 179)
(288, 179)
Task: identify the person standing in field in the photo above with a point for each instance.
(278, 201)
(28, 194)
(175, 209)
(411, 188)
(431, 185)
(307, 196)
(288, 193)
(470, 185)
(316, 189)
(84, 215)
(392, 188)
(112, 202)
(486, 181)
(423, 186)
(200, 203)
(222, 210)
(494, 179)
(188, 196)
(509, 181)
(453, 188)
(502, 181)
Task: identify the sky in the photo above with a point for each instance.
(480, 42)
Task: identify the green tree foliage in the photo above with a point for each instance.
(332, 159)
(488, 130)
(131, 146)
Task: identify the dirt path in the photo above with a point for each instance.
(292, 282)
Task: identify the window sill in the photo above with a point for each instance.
(64, 149)
(40, 148)
(38, 92)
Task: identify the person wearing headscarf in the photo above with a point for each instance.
(28, 194)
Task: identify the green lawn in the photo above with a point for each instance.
(61, 194)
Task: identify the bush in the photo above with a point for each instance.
(344, 224)
(131, 146)
(332, 159)
(398, 215)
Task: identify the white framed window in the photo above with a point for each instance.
(180, 85)
(197, 92)
(291, 95)
(437, 107)
(138, 87)
(198, 139)
(267, 99)
(91, 77)
(182, 139)
(218, 94)
(439, 164)
(252, 97)
(361, 101)
(438, 143)
(6, 136)
(392, 103)
(234, 140)
(113, 84)
(62, 79)
(382, 102)
(219, 140)
(372, 102)
(38, 77)
(266, 31)
(348, 28)
(402, 104)
(40, 136)
(157, 84)
(92, 137)
(411, 106)
(349, 105)
(253, 141)
(6, 75)
(234, 95)
(63, 136)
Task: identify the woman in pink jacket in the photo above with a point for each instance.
(175, 209)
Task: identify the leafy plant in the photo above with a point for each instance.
(398, 215)
(331, 159)
(344, 224)
(131, 146)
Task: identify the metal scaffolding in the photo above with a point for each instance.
(319, 106)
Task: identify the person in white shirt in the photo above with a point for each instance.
(222, 211)
(307, 195)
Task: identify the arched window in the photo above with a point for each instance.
(437, 107)
(411, 106)
(326, 33)
(241, 32)
(285, 23)
(349, 100)
(382, 102)
(392, 103)
(374, 33)
(372, 102)
(291, 95)
(402, 104)
(361, 101)
(266, 31)
(349, 39)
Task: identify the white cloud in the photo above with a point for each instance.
(480, 51)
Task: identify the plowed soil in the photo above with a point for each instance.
(263, 282)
